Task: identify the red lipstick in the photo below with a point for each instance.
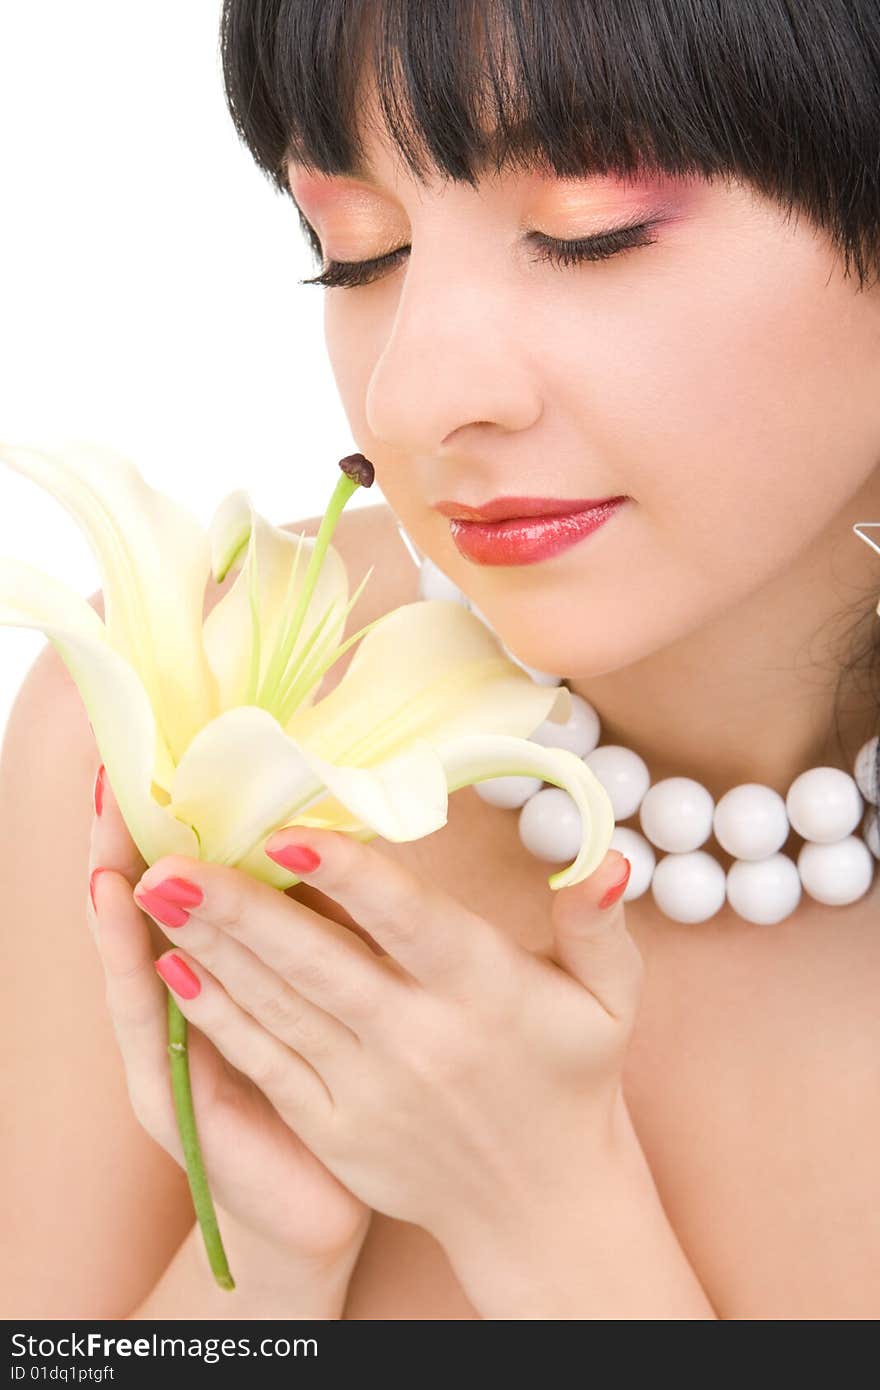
(522, 530)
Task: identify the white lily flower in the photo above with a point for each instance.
(211, 729)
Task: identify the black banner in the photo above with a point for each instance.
(275, 1352)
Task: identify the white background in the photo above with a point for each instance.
(148, 295)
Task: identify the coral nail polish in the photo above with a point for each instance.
(169, 914)
(616, 890)
(178, 976)
(299, 858)
(99, 791)
(179, 891)
(169, 900)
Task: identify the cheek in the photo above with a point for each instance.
(735, 398)
(738, 403)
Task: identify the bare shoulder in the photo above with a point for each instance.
(92, 1209)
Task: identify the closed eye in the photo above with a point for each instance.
(599, 246)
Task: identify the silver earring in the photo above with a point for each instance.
(869, 539)
(860, 528)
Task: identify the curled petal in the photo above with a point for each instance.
(228, 533)
(474, 758)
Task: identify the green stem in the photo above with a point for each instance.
(280, 657)
(195, 1168)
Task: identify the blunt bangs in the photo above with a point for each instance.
(780, 94)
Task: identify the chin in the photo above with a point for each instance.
(562, 658)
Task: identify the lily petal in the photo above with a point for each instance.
(474, 758)
(114, 698)
(260, 602)
(428, 670)
(403, 798)
(154, 562)
(242, 777)
(228, 533)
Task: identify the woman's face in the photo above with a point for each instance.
(726, 379)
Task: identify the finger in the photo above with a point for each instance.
(322, 961)
(135, 998)
(592, 943)
(432, 935)
(264, 993)
(298, 1093)
(127, 943)
(111, 845)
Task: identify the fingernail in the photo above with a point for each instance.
(99, 791)
(168, 913)
(617, 890)
(178, 976)
(299, 858)
(178, 891)
(168, 900)
(92, 880)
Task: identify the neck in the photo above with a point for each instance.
(756, 693)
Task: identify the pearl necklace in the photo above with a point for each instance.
(677, 815)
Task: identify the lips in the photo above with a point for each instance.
(522, 540)
(506, 508)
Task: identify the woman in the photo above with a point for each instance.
(575, 252)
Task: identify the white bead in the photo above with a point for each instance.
(507, 792)
(689, 887)
(623, 774)
(838, 873)
(433, 583)
(824, 804)
(764, 891)
(676, 814)
(550, 825)
(640, 854)
(864, 771)
(750, 822)
(871, 833)
(579, 733)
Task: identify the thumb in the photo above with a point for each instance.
(592, 943)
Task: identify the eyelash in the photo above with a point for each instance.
(599, 247)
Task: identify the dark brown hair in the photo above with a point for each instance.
(782, 94)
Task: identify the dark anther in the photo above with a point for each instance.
(358, 468)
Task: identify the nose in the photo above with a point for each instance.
(455, 356)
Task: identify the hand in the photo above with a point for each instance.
(444, 1074)
(259, 1171)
